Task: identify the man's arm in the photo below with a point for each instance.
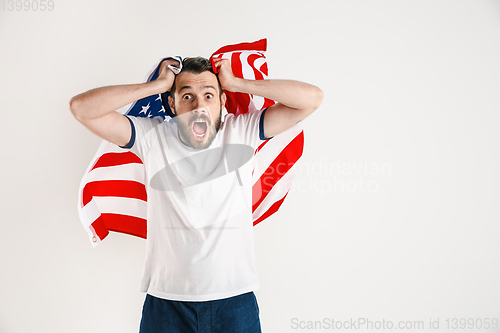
(296, 100)
(96, 108)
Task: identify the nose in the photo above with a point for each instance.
(200, 106)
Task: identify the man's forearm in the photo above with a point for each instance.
(98, 102)
(294, 94)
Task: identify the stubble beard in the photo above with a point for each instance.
(186, 135)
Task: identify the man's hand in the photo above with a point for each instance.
(166, 77)
(295, 100)
(227, 79)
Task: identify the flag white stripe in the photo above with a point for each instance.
(124, 206)
(88, 214)
(132, 171)
(246, 69)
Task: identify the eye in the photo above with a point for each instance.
(186, 96)
(208, 96)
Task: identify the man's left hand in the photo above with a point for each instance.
(226, 76)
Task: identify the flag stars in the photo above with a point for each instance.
(144, 109)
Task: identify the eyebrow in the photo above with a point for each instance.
(189, 87)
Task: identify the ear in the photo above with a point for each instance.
(171, 104)
(223, 98)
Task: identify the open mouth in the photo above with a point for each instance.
(199, 129)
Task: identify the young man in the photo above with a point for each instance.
(199, 273)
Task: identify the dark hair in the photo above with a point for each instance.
(196, 65)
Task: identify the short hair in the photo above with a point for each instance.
(196, 65)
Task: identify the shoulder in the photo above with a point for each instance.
(144, 124)
(251, 123)
(243, 118)
(141, 126)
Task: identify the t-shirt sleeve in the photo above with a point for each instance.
(249, 127)
(140, 140)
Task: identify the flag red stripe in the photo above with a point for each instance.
(113, 159)
(267, 103)
(242, 100)
(236, 65)
(251, 61)
(261, 145)
(263, 69)
(114, 188)
(230, 101)
(100, 228)
(278, 168)
(273, 209)
(260, 45)
(127, 224)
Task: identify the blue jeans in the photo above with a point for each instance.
(237, 314)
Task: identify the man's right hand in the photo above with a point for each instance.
(166, 76)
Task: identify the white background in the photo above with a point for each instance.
(395, 210)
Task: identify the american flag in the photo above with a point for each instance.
(112, 194)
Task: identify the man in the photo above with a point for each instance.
(199, 273)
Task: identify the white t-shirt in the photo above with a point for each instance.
(200, 242)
